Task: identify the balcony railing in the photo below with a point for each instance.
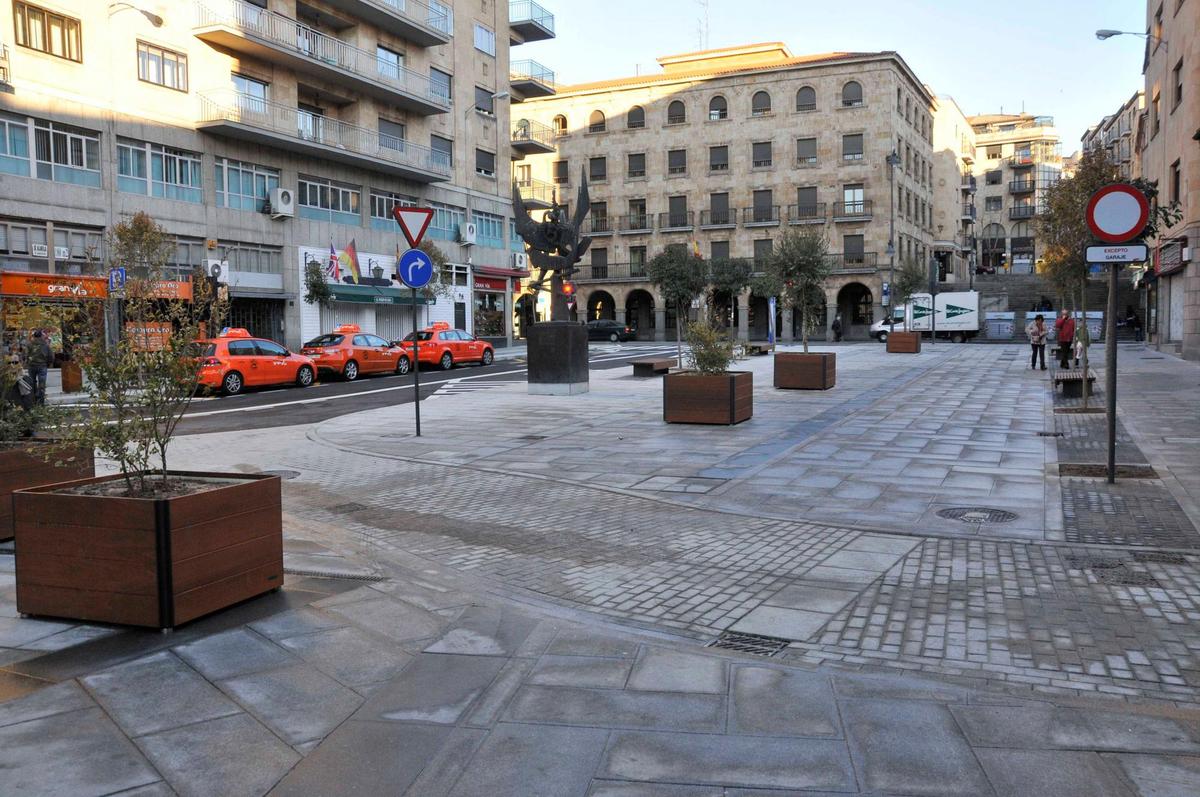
(537, 193)
(637, 222)
(724, 217)
(969, 183)
(5, 77)
(251, 118)
(968, 212)
(426, 24)
(761, 214)
(801, 214)
(597, 225)
(529, 136)
(1022, 186)
(531, 78)
(1022, 212)
(860, 209)
(1021, 160)
(610, 272)
(675, 221)
(530, 21)
(303, 47)
(850, 261)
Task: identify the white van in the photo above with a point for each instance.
(957, 317)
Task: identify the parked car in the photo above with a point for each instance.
(880, 329)
(445, 347)
(348, 352)
(604, 329)
(234, 360)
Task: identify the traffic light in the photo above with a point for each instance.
(568, 290)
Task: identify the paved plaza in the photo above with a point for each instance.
(561, 596)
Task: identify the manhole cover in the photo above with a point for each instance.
(346, 509)
(977, 514)
(749, 643)
(1084, 562)
(1151, 557)
(283, 474)
(1123, 577)
(1051, 434)
(1092, 471)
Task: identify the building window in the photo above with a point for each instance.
(760, 153)
(1155, 115)
(760, 104)
(993, 203)
(762, 249)
(995, 152)
(560, 125)
(485, 39)
(244, 257)
(489, 229)
(852, 94)
(484, 102)
(852, 198)
(443, 151)
(718, 209)
(637, 260)
(677, 161)
(718, 250)
(597, 123)
(1177, 84)
(244, 186)
(1158, 24)
(637, 164)
(806, 202)
(764, 206)
(718, 159)
(382, 205)
(636, 118)
(598, 169)
(391, 135)
(66, 154)
(806, 99)
(1176, 182)
(14, 147)
(994, 177)
(441, 84)
(677, 211)
(599, 213)
(562, 172)
(853, 247)
(485, 163)
(389, 62)
(852, 147)
(676, 113)
(47, 32)
(172, 174)
(446, 221)
(806, 150)
(324, 200)
(162, 67)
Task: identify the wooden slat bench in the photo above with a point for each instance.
(1071, 380)
(652, 366)
(758, 348)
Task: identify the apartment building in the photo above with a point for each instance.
(1116, 134)
(1171, 156)
(1018, 157)
(723, 150)
(263, 134)
(954, 189)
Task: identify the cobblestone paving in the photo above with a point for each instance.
(1140, 512)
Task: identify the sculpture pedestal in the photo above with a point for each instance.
(558, 359)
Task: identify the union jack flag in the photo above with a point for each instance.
(333, 269)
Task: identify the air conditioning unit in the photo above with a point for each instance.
(1187, 254)
(467, 232)
(520, 261)
(218, 270)
(283, 203)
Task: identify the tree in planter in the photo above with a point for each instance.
(796, 272)
(680, 277)
(726, 278)
(142, 384)
(711, 350)
(911, 278)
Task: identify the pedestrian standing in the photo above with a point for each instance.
(837, 327)
(1037, 332)
(37, 360)
(1064, 328)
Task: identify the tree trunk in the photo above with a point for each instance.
(1086, 341)
(679, 330)
(804, 326)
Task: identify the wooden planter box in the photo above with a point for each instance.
(708, 398)
(904, 343)
(799, 371)
(145, 561)
(22, 465)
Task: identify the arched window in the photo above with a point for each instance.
(760, 104)
(560, 125)
(852, 94)
(676, 113)
(636, 118)
(718, 109)
(596, 123)
(806, 99)
(993, 237)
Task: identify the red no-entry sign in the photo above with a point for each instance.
(1118, 213)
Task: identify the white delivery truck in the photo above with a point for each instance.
(957, 317)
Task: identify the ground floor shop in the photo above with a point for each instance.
(492, 296)
(1173, 300)
(69, 310)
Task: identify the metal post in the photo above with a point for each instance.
(933, 275)
(416, 364)
(1110, 365)
(893, 160)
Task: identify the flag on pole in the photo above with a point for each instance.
(333, 269)
(771, 320)
(696, 250)
(352, 262)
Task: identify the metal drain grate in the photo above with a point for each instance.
(1051, 434)
(1085, 562)
(283, 474)
(1151, 557)
(977, 514)
(753, 644)
(1092, 471)
(1124, 577)
(332, 574)
(346, 509)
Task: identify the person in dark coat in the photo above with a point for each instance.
(38, 358)
(837, 327)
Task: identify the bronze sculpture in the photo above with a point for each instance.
(556, 245)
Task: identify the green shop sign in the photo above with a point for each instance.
(368, 294)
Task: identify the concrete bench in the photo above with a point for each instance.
(756, 349)
(652, 366)
(1072, 379)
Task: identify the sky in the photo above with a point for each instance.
(1041, 56)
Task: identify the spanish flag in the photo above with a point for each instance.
(352, 262)
(696, 250)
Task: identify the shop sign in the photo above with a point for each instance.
(490, 284)
(168, 289)
(149, 336)
(1170, 258)
(54, 286)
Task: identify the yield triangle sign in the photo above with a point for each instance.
(413, 223)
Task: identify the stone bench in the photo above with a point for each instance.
(1072, 379)
(756, 349)
(652, 366)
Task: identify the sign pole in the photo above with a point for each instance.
(416, 364)
(1110, 370)
(415, 269)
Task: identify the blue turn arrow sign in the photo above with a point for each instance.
(414, 268)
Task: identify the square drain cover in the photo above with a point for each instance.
(977, 514)
(749, 643)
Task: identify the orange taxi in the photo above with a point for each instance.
(349, 352)
(234, 360)
(444, 347)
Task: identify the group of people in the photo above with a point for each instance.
(31, 361)
(1070, 336)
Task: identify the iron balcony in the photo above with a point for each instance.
(1022, 212)
(852, 211)
(854, 261)
(714, 219)
(532, 138)
(611, 272)
(424, 24)
(529, 79)
(529, 22)
(675, 222)
(636, 222)
(806, 214)
(761, 216)
(1021, 186)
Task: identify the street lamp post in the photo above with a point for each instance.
(892, 160)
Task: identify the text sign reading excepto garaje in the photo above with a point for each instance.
(415, 268)
(1118, 213)
(1126, 253)
(413, 223)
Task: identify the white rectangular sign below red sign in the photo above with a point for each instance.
(1119, 253)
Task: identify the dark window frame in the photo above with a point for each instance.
(21, 31)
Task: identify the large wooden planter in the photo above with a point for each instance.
(799, 371)
(726, 398)
(144, 561)
(904, 343)
(24, 465)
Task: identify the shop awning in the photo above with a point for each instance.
(510, 273)
(369, 294)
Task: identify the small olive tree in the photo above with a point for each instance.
(911, 278)
(726, 278)
(710, 349)
(680, 277)
(796, 272)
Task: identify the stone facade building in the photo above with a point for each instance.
(954, 187)
(1116, 134)
(264, 132)
(722, 151)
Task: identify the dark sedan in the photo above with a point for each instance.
(604, 329)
